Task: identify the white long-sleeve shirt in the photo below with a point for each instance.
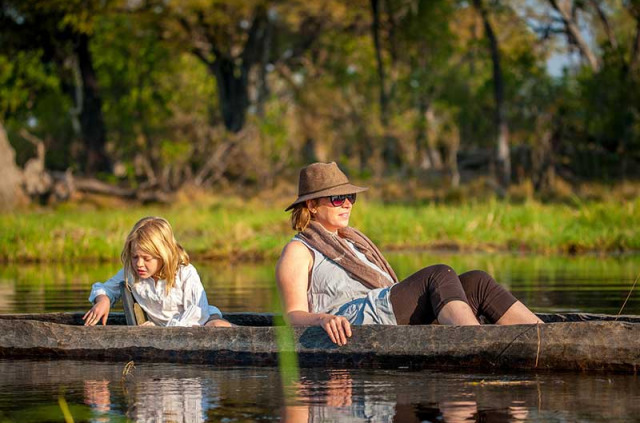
(185, 305)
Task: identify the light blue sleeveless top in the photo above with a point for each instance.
(333, 291)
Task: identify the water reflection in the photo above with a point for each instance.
(95, 391)
(29, 391)
(97, 395)
(170, 399)
(336, 401)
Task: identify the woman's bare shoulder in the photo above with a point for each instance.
(296, 248)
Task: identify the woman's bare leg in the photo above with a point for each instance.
(517, 314)
(457, 313)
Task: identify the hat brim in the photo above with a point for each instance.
(339, 190)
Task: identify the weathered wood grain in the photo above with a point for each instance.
(569, 345)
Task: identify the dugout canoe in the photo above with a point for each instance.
(566, 342)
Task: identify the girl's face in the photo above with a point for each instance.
(330, 216)
(144, 264)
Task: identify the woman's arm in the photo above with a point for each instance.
(292, 276)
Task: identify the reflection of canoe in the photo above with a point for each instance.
(572, 341)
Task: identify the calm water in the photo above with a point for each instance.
(32, 391)
(591, 283)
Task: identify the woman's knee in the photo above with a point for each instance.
(437, 270)
(429, 278)
(477, 279)
(438, 279)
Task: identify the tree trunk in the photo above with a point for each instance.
(571, 26)
(232, 73)
(375, 32)
(635, 49)
(453, 146)
(11, 193)
(233, 91)
(611, 36)
(421, 159)
(262, 91)
(542, 156)
(503, 158)
(91, 121)
(433, 153)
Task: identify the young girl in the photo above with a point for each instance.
(157, 271)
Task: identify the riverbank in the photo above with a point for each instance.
(233, 229)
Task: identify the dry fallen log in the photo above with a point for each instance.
(95, 186)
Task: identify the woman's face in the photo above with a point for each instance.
(144, 264)
(328, 215)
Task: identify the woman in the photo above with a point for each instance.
(333, 276)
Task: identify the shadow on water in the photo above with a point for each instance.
(546, 284)
(29, 392)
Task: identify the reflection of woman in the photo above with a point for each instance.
(334, 401)
(332, 275)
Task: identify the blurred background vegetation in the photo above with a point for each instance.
(425, 98)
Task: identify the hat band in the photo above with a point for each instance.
(323, 189)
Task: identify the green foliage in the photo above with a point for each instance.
(231, 228)
(30, 98)
(315, 88)
(154, 97)
(22, 77)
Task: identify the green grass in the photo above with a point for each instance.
(234, 229)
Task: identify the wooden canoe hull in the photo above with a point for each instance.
(569, 345)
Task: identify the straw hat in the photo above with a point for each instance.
(322, 180)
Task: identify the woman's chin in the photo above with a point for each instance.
(343, 224)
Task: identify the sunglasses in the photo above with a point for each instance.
(338, 200)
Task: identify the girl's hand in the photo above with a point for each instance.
(337, 327)
(99, 311)
(148, 323)
(218, 323)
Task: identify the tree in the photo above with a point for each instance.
(234, 38)
(426, 43)
(503, 157)
(566, 10)
(61, 31)
(10, 175)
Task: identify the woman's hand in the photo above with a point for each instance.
(337, 327)
(148, 323)
(99, 311)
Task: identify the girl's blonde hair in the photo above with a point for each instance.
(154, 236)
(301, 216)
